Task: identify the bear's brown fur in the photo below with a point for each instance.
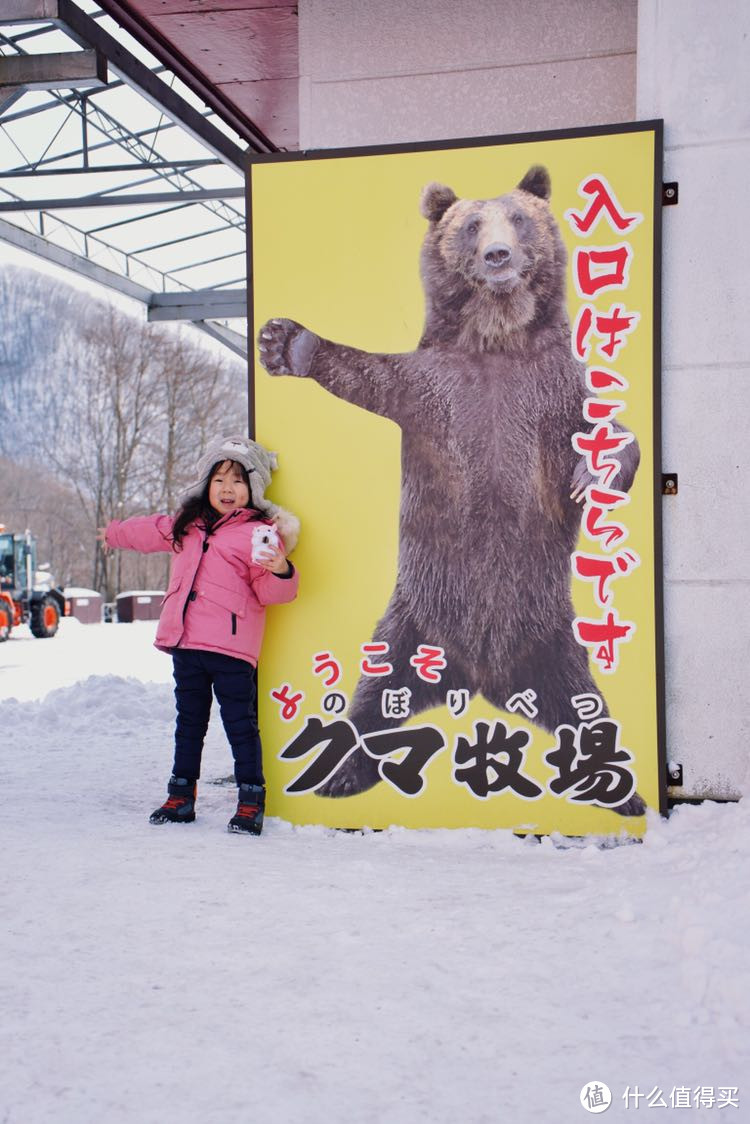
(488, 403)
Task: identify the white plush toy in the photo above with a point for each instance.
(265, 541)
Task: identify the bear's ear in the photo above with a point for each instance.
(537, 182)
(435, 201)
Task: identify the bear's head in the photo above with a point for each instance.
(493, 269)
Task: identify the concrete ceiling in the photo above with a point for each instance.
(240, 56)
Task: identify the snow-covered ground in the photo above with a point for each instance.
(186, 974)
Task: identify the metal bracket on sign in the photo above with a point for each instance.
(674, 774)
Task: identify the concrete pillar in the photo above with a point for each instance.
(694, 71)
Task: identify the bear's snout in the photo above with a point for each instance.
(497, 254)
(497, 265)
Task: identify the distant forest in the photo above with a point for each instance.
(102, 415)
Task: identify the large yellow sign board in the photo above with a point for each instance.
(458, 371)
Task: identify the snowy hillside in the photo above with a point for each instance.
(180, 973)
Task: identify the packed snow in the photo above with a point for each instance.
(156, 974)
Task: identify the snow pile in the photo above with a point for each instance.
(183, 973)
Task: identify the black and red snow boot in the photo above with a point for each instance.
(251, 805)
(179, 807)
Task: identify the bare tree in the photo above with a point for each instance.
(118, 410)
(105, 408)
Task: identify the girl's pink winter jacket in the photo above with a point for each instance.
(216, 596)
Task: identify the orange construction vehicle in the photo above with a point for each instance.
(24, 598)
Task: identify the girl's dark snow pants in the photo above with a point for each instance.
(234, 683)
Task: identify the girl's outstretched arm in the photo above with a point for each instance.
(145, 533)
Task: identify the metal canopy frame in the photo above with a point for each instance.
(155, 178)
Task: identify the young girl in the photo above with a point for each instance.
(213, 612)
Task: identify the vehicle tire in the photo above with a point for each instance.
(5, 622)
(45, 617)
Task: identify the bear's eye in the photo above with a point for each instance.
(517, 219)
(472, 227)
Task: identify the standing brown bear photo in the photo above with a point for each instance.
(487, 403)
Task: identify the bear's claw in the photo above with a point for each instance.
(286, 348)
(581, 480)
(634, 806)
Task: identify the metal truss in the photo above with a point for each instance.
(156, 181)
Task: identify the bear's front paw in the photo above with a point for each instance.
(286, 348)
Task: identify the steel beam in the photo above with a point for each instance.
(27, 171)
(10, 94)
(139, 218)
(233, 340)
(217, 304)
(207, 261)
(60, 70)
(179, 241)
(137, 199)
(42, 248)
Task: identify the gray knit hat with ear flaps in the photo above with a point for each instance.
(260, 463)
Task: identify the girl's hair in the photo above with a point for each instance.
(197, 509)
